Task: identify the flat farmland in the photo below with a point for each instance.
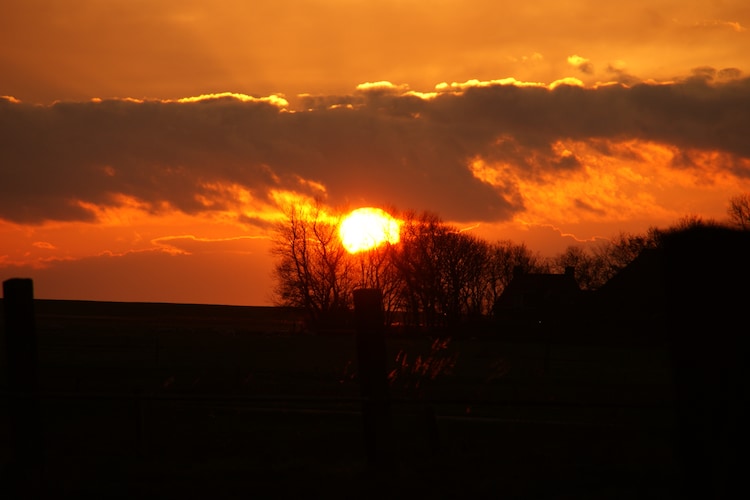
(181, 401)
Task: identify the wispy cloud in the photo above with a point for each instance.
(189, 244)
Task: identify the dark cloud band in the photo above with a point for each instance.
(380, 145)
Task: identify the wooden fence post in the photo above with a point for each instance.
(21, 351)
(371, 356)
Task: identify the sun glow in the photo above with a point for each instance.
(367, 228)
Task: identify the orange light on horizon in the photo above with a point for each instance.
(367, 228)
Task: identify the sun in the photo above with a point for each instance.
(366, 228)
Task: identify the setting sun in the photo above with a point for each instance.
(366, 228)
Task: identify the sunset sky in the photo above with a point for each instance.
(148, 147)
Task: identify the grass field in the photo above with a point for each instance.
(184, 401)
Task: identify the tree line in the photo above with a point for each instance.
(437, 275)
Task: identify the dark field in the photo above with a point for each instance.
(179, 401)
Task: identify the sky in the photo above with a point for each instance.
(148, 148)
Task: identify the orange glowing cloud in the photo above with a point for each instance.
(221, 156)
(634, 181)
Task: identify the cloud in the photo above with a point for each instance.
(582, 64)
(381, 144)
(191, 244)
(719, 24)
(45, 245)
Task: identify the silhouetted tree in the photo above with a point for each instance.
(503, 258)
(375, 268)
(590, 270)
(621, 250)
(436, 275)
(313, 270)
(443, 272)
(461, 259)
(739, 211)
(474, 294)
(417, 260)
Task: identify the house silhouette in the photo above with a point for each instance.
(539, 297)
(635, 295)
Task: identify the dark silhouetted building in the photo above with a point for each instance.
(532, 298)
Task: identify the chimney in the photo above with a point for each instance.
(570, 271)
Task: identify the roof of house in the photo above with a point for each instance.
(639, 284)
(539, 290)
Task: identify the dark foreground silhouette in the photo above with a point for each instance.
(174, 401)
(707, 279)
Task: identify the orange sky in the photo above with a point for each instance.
(146, 147)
